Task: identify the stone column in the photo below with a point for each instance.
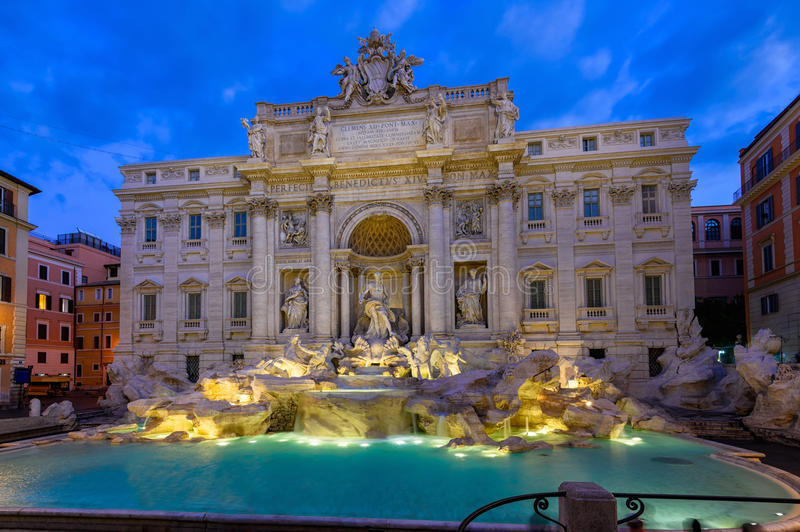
(566, 291)
(415, 265)
(270, 277)
(259, 276)
(127, 298)
(682, 216)
(623, 250)
(170, 304)
(320, 204)
(344, 300)
(506, 195)
(436, 196)
(215, 309)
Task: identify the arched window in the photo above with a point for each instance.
(712, 229)
(736, 229)
(693, 232)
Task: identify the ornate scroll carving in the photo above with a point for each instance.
(321, 201)
(343, 265)
(618, 137)
(502, 191)
(682, 191)
(621, 193)
(218, 170)
(562, 143)
(215, 219)
(415, 262)
(133, 177)
(563, 197)
(170, 222)
(127, 224)
(173, 172)
(672, 133)
(469, 219)
(437, 194)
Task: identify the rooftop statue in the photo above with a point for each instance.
(507, 114)
(256, 138)
(379, 73)
(318, 132)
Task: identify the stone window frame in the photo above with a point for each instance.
(231, 208)
(148, 287)
(654, 266)
(193, 285)
(237, 284)
(596, 269)
(769, 241)
(193, 208)
(46, 324)
(189, 174)
(540, 271)
(590, 181)
(643, 134)
(545, 189)
(149, 210)
(588, 137)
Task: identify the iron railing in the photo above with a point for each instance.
(761, 175)
(633, 502)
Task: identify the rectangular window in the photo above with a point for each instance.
(79, 342)
(5, 288)
(766, 253)
(649, 204)
(769, 304)
(41, 357)
(108, 341)
(65, 278)
(764, 212)
(84, 279)
(193, 311)
(239, 305)
(41, 331)
(79, 370)
(79, 317)
(590, 144)
(65, 358)
(797, 188)
(739, 267)
(194, 175)
(3, 250)
(43, 301)
(65, 305)
(108, 316)
(7, 201)
(538, 293)
(194, 227)
(646, 139)
(96, 342)
(594, 292)
(96, 317)
(98, 294)
(150, 178)
(764, 165)
(80, 294)
(112, 272)
(534, 148)
(591, 202)
(148, 307)
(716, 268)
(95, 367)
(193, 367)
(239, 224)
(535, 206)
(652, 290)
(109, 293)
(64, 333)
(150, 229)
(43, 271)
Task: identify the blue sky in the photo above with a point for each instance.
(164, 80)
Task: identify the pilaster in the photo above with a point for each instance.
(681, 208)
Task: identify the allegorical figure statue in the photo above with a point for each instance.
(434, 120)
(401, 74)
(256, 138)
(295, 306)
(374, 304)
(350, 81)
(468, 297)
(318, 132)
(507, 114)
(294, 230)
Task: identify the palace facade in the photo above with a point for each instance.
(577, 237)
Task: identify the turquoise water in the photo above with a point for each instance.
(402, 478)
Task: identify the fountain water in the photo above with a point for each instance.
(441, 427)
(527, 427)
(506, 428)
(414, 422)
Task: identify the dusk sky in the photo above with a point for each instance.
(166, 80)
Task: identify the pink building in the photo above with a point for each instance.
(55, 268)
(718, 260)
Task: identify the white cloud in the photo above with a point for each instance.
(147, 127)
(595, 65)
(229, 93)
(21, 86)
(543, 29)
(394, 13)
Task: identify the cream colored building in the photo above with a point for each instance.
(580, 235)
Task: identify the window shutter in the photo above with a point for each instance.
(6, 295)
(48, 302)
(763, 305)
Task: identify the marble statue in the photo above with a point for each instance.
(350, 81)
(468, 296)
(401, 74)
(295, 306)
(418, 357)
(469, 219)
(434, 120)
(299, 361)
(318, 132)
(374, 305)
(293, 229)
(256, 138)
(507, 114)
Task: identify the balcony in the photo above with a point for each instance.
(536, 228)
(651, 220)
(148, 329)
(539, 320)
(596, 319)
(238, 245)
(237, 327)
(150, 251)
(8, 208)
(662, 316)
(777, 161)
(194, 249)
(593, 224)
(192, 329)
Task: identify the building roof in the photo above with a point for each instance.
(20, 182)
(98, 283)
(772, 122)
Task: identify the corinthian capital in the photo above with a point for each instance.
(563, 197)
(436, 194)
(170, 221)
(262, 205)
(501, 191)
(682, 190)
(621, 193)
(320, 202)
(215, 218)
(127, 224)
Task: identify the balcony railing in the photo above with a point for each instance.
(536, 226)
(539, 314)
(237, 323)
(194, 243)
(761, 175)
(149, 246)
(239, 242)
(594, 222)
(656, 218)
(148, 325)
(595, 313)
(193, 324)
(655, 310)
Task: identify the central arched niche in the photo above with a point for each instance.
(380, 235)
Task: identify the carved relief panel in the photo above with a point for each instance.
(294, 228)
(468, 219)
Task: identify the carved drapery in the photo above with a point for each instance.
(127, 224)
(437, 194)
(621, 194)
(563, 197)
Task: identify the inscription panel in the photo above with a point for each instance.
(377, 135)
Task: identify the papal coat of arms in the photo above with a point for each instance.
(379, 72)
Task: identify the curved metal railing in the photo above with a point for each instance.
(540, 504)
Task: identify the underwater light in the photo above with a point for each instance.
(364, 445)
(341, 444)
(779, 514)
(461, 455)
(314, 443)
(572, 384)
(223, 443)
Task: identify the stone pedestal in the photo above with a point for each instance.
(587, 507)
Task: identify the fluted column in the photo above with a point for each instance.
(436, 196)
(506, 195)
(215, 221)
(272, 310)
(259, 276)
(415, 266)
(170, 305)
(344, 300)
(320, 204)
